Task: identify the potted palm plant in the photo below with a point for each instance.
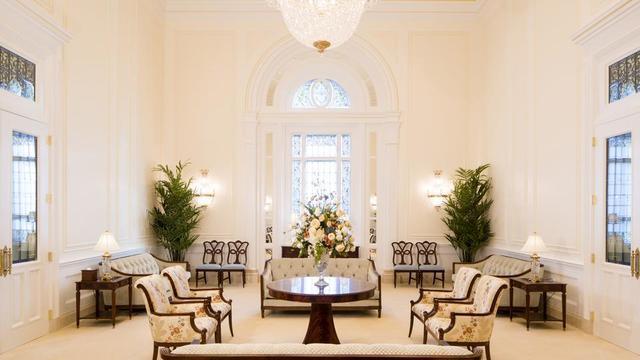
(175, 217)
(466, 212)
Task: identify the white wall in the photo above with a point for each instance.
(211, 57)
(110, 132)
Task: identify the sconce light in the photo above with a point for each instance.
(268, 202)
(438, 190)
(203, 189)
(373, 201)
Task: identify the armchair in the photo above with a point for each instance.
(179, 280)
(468, 323)
(423, 307)
(176, 323)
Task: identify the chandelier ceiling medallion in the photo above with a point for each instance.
(321, 24)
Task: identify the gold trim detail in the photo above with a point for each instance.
(321, 45)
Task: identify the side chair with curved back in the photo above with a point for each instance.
(236, 260)
(212, 260)
(428, 261)
(403, 261)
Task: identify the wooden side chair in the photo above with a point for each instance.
(423, 307)
(236, 260)
(211, 260)
(428, 261)
(176, 323)
(468, 323)
(403, 261)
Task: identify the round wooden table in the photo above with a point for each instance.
(302, 289)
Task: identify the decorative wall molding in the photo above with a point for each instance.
(606, 18)
(385, 6)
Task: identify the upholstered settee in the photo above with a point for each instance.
(362, 269)
(136, 266)
(503, 267)
(318, 351)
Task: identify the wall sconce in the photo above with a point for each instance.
(268, 202)
(203, 189)
(373, 202)
(438, 190)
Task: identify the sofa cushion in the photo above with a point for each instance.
(288, 268)
(143, 264)
(322, 349)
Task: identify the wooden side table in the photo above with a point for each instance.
(544, 287)
(97, 286)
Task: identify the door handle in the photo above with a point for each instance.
(635, 263)
(6, 261)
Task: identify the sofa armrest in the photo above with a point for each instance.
(265, 278)
(372, 274)
(162, 264)
(478, 265)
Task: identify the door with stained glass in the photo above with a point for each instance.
(617, 287)
(23, 230)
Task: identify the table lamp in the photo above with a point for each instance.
(106, 244)
(533, 246)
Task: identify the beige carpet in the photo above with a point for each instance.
(131, 339)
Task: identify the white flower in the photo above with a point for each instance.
(317, 212)
(339, 237)
(340, 212)
(345, 231)
(321, 218)
(332, 236)
(315, 223)
(340, 247)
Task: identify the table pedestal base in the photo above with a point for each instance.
(321, 328)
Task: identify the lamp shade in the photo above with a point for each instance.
(534, 244)
(106, 243)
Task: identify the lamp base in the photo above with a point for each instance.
(106, 267)
(535, 268)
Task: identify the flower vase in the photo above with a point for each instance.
(321, 266)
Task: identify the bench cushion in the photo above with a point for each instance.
(405, 267)
(322, 349)
(208, 267)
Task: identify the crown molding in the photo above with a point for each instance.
(604, 20)
(38, 15)
(383, 6)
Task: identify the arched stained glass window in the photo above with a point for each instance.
(322, 94)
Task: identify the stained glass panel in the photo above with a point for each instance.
(321, 93)
(619, 198)
(321, 146)
(346, 186)
(296, 146)
(345, 146)
(320, 178)
(296, 186)
(17, 74)
(24, 184)
(624, 77)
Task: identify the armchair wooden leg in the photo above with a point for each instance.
(487, 352)
(218, 334)
(425, 334)
(410, 322)
(231, 322)
(155, 351)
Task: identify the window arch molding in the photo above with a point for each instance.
(291, 82)
(356, 65)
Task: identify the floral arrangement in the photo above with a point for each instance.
(323, 229)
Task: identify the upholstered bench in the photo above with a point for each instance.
(362, 269)
(137, 267)
(318, 351)
(503, 267)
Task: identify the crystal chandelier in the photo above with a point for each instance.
(321, 24)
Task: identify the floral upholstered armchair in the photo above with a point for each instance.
(176, 323)
(179, 280)
(468, 323)
(423, 308)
